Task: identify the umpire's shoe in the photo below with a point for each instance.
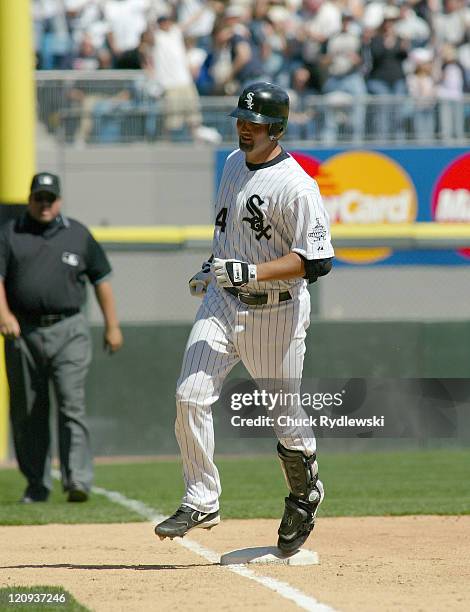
(34, 494)
(77, 493)
(296, 524)
(185, 519)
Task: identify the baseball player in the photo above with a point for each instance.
(271, 237)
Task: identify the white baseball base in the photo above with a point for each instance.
(269, 555)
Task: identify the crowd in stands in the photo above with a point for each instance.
(343, 49)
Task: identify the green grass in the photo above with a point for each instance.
(399, 483)
(56, 510)
(70, 604)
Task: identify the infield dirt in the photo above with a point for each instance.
(413, 563)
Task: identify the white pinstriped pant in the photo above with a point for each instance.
(270, 341)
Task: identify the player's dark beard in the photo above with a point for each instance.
(245, 146)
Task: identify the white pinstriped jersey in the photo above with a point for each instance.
(262, 213)
(266, 211)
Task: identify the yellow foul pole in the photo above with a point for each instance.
(17, 125)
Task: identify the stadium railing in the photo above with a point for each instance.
(105, 107)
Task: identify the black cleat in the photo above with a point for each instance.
(77, 493)
(33, 495)
(185, 519)
(296, 525)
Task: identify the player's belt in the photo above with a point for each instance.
(258, 299)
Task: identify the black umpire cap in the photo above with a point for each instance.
(45, 181)
(263, 103)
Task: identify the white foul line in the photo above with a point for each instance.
(305, 602)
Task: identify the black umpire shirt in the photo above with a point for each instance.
(44, 266)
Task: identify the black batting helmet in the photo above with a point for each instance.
(264, 103)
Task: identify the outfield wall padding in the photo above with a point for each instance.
(131, 394)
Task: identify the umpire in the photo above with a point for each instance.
(45, 259)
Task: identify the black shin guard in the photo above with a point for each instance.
(301, 473)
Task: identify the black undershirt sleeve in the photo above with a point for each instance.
(98, 265)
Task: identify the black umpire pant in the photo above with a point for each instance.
(60, 353)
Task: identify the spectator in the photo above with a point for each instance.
(140, 58)
(197, 18)
(274, 49)
(286, 43)
(155, 8)
(126, 21)
(99, 107)
(425, 9)
(173, 75)
(303, 49)
(321, 21)
(386, 76)
(326, 21)
(373, 16)
(344, 62)
(55, 47)
(45, 259)
(411, 27)
(90, 21)
(196, 56)
(87, 56)
(283, 41)
(246, 53)
(216, 71)
(302, 83)
(422, 89)
(259, 16)
(463, 55)
(450, 92)
(453, 25)
(303, 117)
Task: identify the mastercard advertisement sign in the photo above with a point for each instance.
(389, 186)
(451, 195)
